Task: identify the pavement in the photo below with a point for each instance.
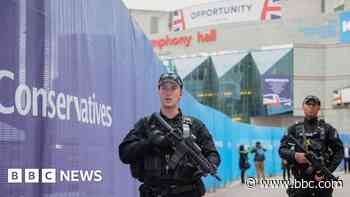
(258, 190)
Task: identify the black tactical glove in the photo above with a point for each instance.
(158, 138)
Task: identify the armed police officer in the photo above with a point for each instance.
(317, 137)
(150, 152)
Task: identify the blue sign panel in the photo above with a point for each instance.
(344, 19)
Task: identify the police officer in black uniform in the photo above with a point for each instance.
(148, 151)
(317, 136)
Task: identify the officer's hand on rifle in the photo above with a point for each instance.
(300, 158)
(158, 138)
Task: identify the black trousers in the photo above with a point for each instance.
(243, 176)
(347, 164)
(309, 190)
(313, 192)
(148, 192)
(185, 194)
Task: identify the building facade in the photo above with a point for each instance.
(318, 62)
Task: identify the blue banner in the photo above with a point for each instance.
(344, 19)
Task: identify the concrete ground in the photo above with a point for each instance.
(242, 190)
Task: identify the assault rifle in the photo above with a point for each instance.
(187, 146)
(317, 162)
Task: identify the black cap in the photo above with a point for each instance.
(312, 100)
(173, 77)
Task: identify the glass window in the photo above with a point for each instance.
(241, 85)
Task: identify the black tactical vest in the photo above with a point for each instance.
(156, 164)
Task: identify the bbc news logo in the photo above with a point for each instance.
(51, 175)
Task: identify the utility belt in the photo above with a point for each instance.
(151, 190)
